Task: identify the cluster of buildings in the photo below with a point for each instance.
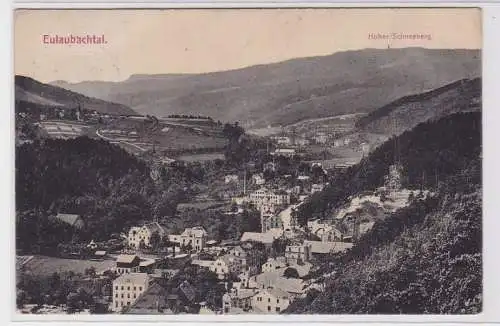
(138, 236)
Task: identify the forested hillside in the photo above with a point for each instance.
(109, 187)
(428, 153)
(424, 258)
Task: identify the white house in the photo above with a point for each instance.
(196, 237)
(127, 288)
(264, 196)
(271, 301)
(225, 265)
(316, 188)
(258, 179)
(136, 234)
(231, 178)
(287, 152)
(273, 264)
(297, 253)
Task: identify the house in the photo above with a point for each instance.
(282, 140)
(138, 235)
(320, 247)
(269, 222)
(241, 298)
(258, 179)
(273, 264)
(126, 264)
(301, 142)
(268, 218)
(265, 238)
(321, 139)
(225, 265)
(204, 310)
(287, 152)
(316, 188)
(151, 302)
(326, 232)
(73, 220)
(263, 196)
(270, 166)
(127, 288)
(100, 254)
(227, 306)
(195, 237)
(271, 300)
(303, 177)
(298, 253)
(238, 252)
(329, 234)
(147, 265)
(231, 178)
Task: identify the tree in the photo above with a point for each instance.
(73, 302)
(21, 298)
(90, 271)
(155, 241)
(142, 245)
(291, 272)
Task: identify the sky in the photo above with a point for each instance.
(206, 40)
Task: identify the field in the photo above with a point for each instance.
(201, 157)
(43, 265)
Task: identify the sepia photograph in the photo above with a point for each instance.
(314, 161)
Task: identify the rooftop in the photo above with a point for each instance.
(126, 259)
(155, 227)
(319, 247)
(258, 237)
(71, 219)
(135, 278)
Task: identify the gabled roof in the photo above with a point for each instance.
(135, 278)
(155, 227)
(277, 293)
(150, 302)
(239, 249)
(290, 285)
(70, 219)
(319, 247)
(197, 231)
(127, 259)
(258, 237)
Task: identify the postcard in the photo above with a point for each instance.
(318, 161)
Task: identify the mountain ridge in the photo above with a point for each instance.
(292, 90)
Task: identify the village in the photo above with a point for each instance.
(262, 272)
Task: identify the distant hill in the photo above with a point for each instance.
(293, 90)
(32, 92)
(406, 112)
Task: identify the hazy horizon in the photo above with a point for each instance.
(180, 74)
(198, 41)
